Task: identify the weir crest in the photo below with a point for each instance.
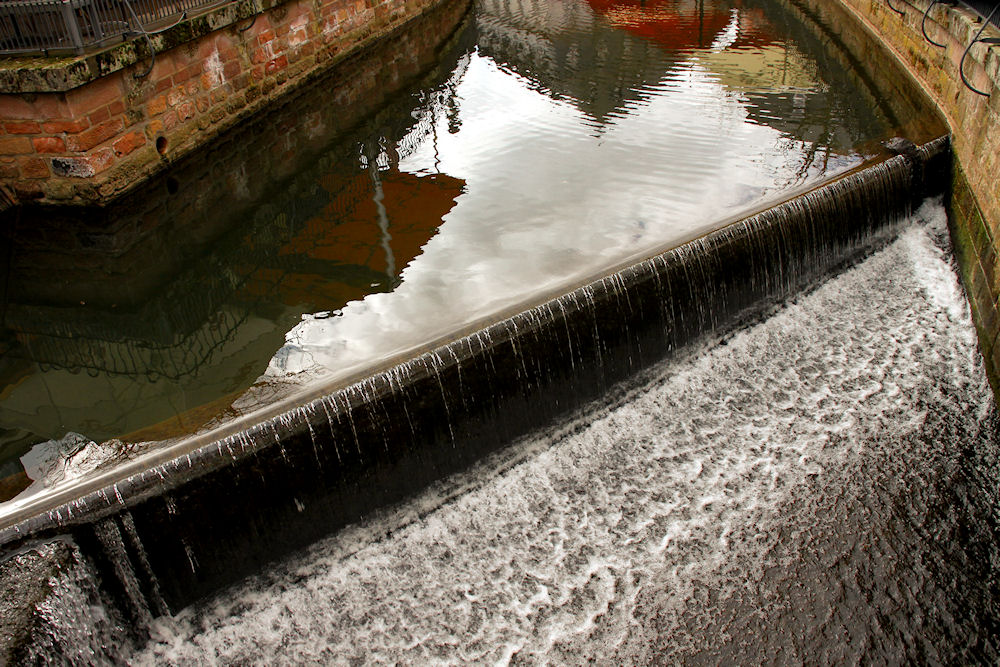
(334, 459)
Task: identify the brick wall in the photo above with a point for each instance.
(974, 204)
(265, 173)
(91, 143)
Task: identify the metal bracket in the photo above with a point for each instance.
(923, 21)
(965, 54)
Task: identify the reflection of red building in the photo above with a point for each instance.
(683, 25)
(672, 24)
(350, 250)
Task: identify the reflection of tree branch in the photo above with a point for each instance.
(818, 149)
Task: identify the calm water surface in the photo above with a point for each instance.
(546, 142)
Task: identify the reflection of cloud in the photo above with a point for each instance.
(771, 68)
(548, 204)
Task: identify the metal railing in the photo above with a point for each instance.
(988, 14)
(44, 26)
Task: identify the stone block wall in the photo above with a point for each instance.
(87, 129)
(974, 119)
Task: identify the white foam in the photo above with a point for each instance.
(656, 527)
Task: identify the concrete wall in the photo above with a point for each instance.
(86, 129)
(974, 119)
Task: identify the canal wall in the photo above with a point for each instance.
(974, 120)
(87, 129)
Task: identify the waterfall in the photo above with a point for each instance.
(55, 605)
(182, 529)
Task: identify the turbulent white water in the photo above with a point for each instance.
(819, 486)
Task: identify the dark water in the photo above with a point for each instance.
(546, 142)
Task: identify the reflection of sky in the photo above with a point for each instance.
(552, 199)
(571, 165)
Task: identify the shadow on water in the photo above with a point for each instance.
(145, 319)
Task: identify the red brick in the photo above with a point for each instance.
(71, 126)
(164, 68)
(23, 127)
(186, 111)
(41, 106)
(95, 135)
(163, 84)
(26, 191)
(203, 103)
(206, 48)
(117, 108)
(297, 37)
(15, 146)
(182, 76)
(265, 37)
(279, 63)
(231, 69)
(170, 120)
(92, 96)
(227, 52)
(35, 167)
(100, 116)
(175, 97)
(157, 105)
(102, 159)
(49, 144)
(182, 58)
(189, 72)
(9, 171)
(129, 143)
(196, 69)
(85, 166)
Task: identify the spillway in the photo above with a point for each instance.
(816, 486)
(647, 409)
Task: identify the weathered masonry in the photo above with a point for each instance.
(943, 49)
(83, 129)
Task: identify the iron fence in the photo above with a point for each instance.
(44, 26)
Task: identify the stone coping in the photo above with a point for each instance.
(54, 74)
(974, 120)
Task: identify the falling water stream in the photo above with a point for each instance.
(689, 440)
(818, 486)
